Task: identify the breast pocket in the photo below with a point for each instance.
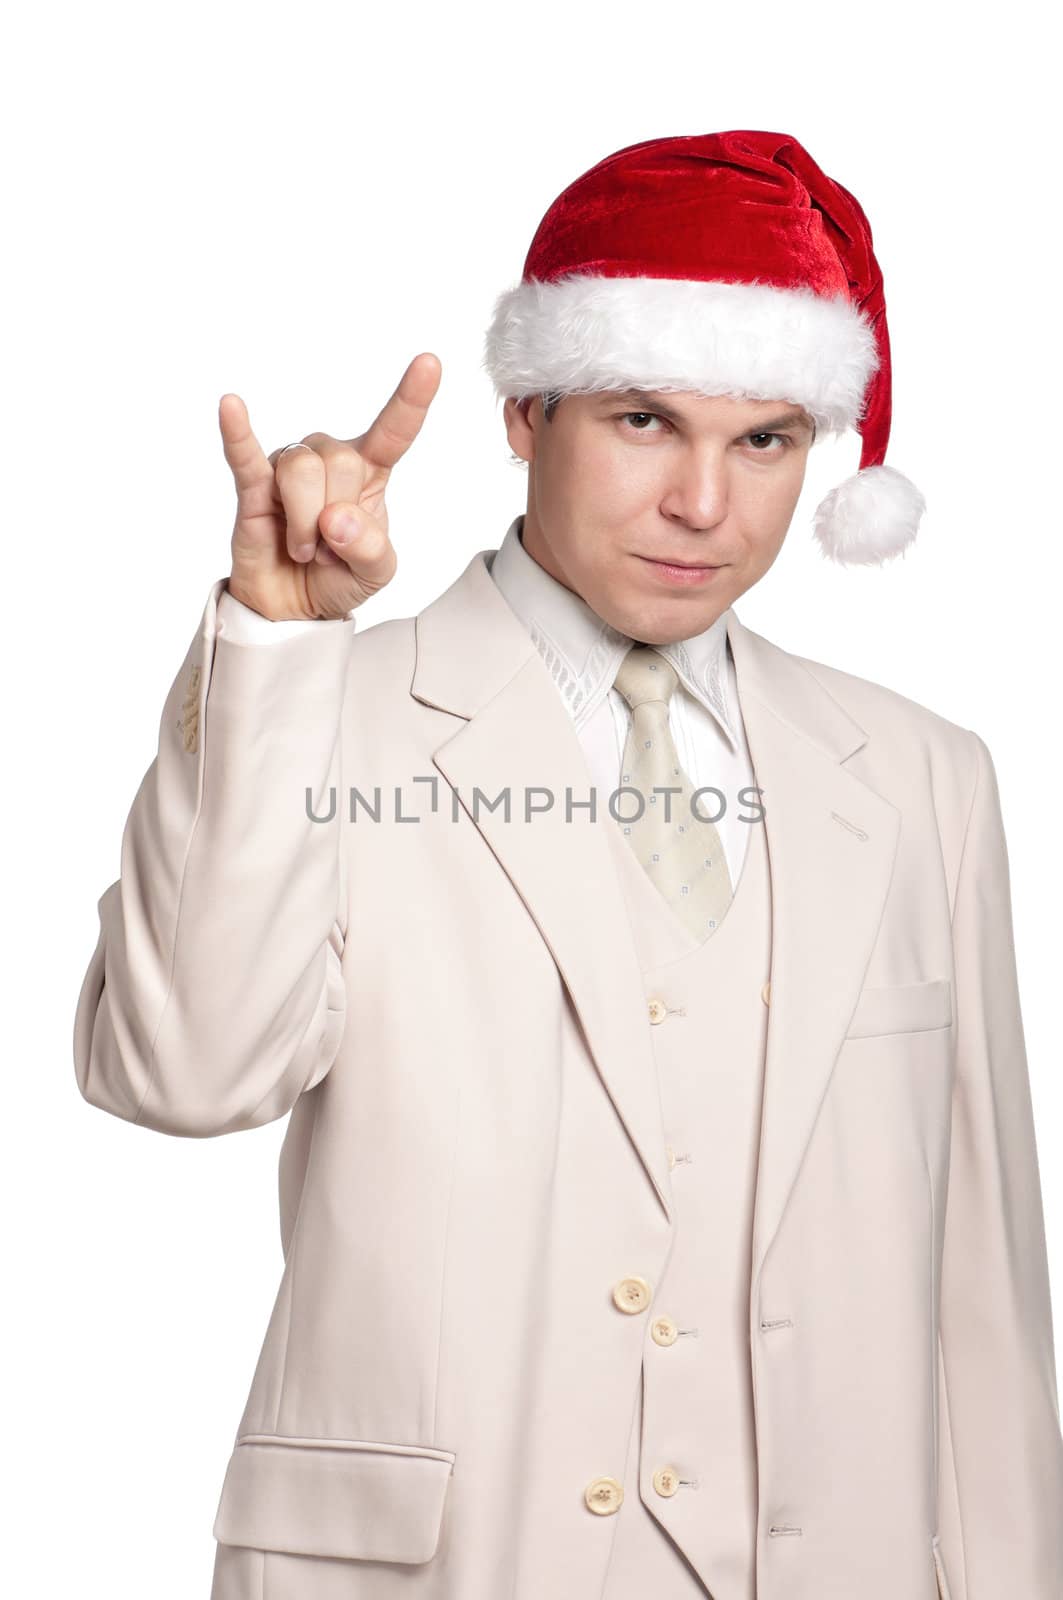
(353, 1498)
(902, 1008)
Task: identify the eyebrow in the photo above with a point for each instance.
(649, 402)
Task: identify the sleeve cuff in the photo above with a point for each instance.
(241, 624)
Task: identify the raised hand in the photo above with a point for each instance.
(311, 533)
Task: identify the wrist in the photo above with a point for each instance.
(270, 612)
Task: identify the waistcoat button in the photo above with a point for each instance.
(632, 1294)
(765, 993)
(657, 1010)
(603, 1496)
(664, 1330)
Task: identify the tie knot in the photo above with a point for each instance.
(645, 675)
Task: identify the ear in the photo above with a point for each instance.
(519, 428)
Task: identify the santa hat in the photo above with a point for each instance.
(719, 263)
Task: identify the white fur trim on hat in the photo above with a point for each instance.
(869, 517)
(585, 333)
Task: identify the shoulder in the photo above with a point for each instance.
(380, 669)
(389, 640)
(911, 740)
(878, 707)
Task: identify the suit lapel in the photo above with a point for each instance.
(475, 658)
(831, 843)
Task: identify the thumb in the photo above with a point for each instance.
(340, 525)
(360, 541)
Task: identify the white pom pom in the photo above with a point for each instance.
(869, 518)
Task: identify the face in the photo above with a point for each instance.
(659, 509)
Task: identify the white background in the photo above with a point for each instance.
(291, 204)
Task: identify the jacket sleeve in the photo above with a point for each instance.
(214, 996)
(1001, 1462)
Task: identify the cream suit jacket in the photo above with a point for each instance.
(583, 653)
(449, 1005)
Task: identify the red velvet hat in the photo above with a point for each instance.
(718, 263)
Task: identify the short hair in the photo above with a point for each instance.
(550, 399)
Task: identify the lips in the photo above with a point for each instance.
(667, 561)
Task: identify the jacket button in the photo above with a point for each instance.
(664, 1330)
(671, 1157)
(666, 1480)
(632, 1294)
(765, 993)
(657, 1010)
(603, 1496)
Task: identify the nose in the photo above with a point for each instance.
(696, 494)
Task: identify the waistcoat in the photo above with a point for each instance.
(686, 1524)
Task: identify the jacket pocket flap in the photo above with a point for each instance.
(359, 1499)
(902, 1008)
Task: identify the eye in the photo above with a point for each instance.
(783, 438)
(646, 416)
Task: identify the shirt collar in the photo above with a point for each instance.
(582, 652)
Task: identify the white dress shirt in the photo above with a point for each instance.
(582, 654)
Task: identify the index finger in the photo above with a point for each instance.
(391, 435)
(246, 457)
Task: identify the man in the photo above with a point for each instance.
(660, 1199)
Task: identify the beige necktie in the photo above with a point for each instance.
(683, 856)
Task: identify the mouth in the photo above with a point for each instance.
(691, 566)
(684, 572)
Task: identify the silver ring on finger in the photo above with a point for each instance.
(298, 445)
